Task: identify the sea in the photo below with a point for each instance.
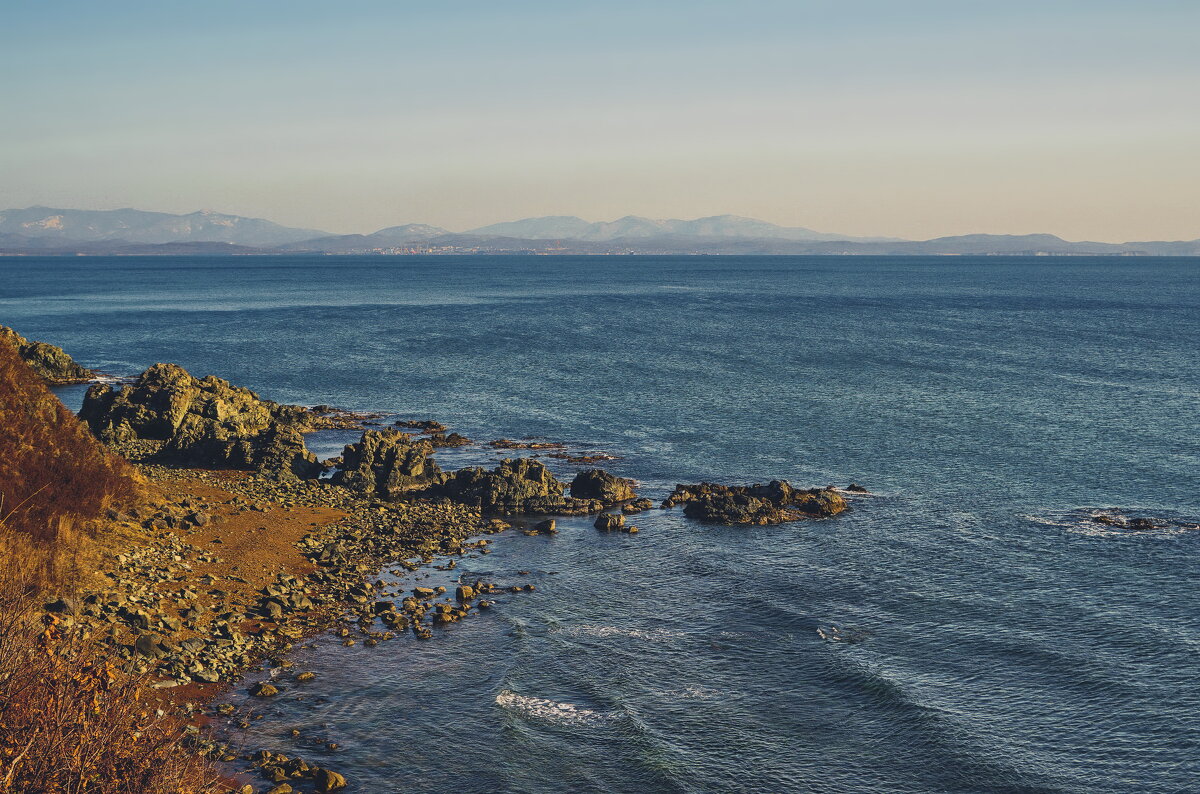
(968, 626)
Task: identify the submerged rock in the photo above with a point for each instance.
(205, 422)
(387, 463)
(516, 486)
(52, 364)
(599, 484)
(773, 503)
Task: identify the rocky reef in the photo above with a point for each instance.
(388, 463)
(776, 502)
(204, 422)
(604, 487)
(516, 486)
(51, 363)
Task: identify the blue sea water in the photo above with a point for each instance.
(1002, 640)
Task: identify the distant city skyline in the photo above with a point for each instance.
(913, 120)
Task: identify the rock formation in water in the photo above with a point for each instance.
(774, 503)
(388, 463)
(51, 363)
(604, 487)
(516, 486)
(204, 422)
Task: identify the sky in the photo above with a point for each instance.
(904, 118)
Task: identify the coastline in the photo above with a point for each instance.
(313, 550)
(226, 569)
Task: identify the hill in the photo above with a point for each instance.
(44, 225)
(633, 227)
(55, 477)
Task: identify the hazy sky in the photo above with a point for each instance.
(900, 117)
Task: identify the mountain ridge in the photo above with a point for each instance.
(51, 231)
(147, 227)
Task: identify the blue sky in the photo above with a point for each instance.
(912, 119)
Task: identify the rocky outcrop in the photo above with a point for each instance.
(440, 439)
(517, 486)
(776, 502)
(204, 422)
(607, 522)
(388, 463)
(51, 363)
(602, 486)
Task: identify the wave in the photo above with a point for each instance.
(545, 709)
(609, 632)
(1112, 522)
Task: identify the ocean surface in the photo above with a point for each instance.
(990, 636)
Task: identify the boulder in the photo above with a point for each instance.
(65, 606)
(516, 486)
(449, 440)
(547, 527)
(607, 522)
(637, 505)
(204, 422)
(51, 363)
(388, 463)
(600, 485)
(776, 502)
(264, 690)
(328, 780)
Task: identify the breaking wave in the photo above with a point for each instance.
(544, 709)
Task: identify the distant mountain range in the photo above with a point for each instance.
(631, 227)
(44, 230)
(138, 226)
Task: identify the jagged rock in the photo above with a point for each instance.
(424, 425)
(607, 522)
(774, 503)
(51, 363)
(637, 506)
(449, 440)
(328, 780)
(205, 422)
(264, 690)
(516, 486)
(387, 463)
(856, 488)
(599, 484)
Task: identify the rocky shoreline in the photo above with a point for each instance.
(250, 544)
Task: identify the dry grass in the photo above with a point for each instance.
(55, 478)
(70, 723)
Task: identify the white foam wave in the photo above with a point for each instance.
(609, 632)
(545, 709)
(703, 693)
(1083, 522)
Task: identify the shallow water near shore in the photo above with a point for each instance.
(990, 636)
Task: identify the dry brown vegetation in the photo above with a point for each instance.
(55, 478)
(70, 721)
